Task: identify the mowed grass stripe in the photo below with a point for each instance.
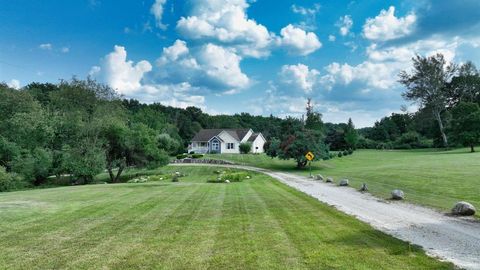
(87, 232)
(124, 233)
(255, 224)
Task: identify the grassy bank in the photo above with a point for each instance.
(428, 177)
(255, 224)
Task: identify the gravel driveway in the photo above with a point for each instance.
(448, 238)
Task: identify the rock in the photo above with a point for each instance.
(227, 181)
(398, 194)
(319, 177)
(364, 187)
(329, 180)
(463, 209)
(247, 177)
(343, 183)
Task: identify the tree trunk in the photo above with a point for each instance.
(120, 170)
(440, 125)
(110, 173)
(472, 148)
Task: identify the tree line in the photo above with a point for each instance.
(448, 96)
(76, 129)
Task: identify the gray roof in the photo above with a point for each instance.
(253, 137)
(204, 135)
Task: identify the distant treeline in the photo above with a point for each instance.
(76, 129)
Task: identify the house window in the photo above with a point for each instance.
(203, 144)
(230, 146)
(215, 146)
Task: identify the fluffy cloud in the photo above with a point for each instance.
(226, 22)
(65, 50)
(211, 67)
(386, 26)
(157, 11)
(120, 74)
(344, 24)
(298, 41)
(300, 77)
(46, 46)
(15, 84)
(129, 79)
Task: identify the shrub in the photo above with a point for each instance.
(192, 152)
(195, 156)
(245, 148)
(332, 155)
(182, 156)
(340, 154)
(350, 151)
(345, 153)
(10, 181)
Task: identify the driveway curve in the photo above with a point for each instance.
(448, 238)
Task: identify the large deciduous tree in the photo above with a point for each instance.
(426, 85)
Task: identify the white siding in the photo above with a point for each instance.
(257, 145)
(226, 138)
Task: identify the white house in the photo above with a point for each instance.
(225, 141)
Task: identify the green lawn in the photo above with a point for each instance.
(255, 224)
(428, 177)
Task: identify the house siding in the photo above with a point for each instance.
(226, 138)
(257, 145)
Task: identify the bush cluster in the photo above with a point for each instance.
(10, 181)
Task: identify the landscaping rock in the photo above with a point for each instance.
(329, 180)
(227, 181)
(319, 177)
(343, 183)
(463, 209)
(364, 187)
(398, 194)
(247, 177)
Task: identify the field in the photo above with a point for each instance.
(255, 224)
(429, 177)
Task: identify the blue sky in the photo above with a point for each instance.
(227, 56)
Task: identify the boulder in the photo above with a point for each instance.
(364, 187)
(343, 183)
(329, 180)
(463, 209)
(319, 177)
(398, 195)
(227, 181)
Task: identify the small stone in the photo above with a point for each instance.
(398, 194)
(329, 180)
(319, 177)
(343, 183)
(227, 181)
(247, 177)
(364, 187)
(463, 209)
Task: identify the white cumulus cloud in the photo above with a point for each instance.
(226, 22)
(120, 73)
(300, 77)
(386, 26)
(298, 41)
